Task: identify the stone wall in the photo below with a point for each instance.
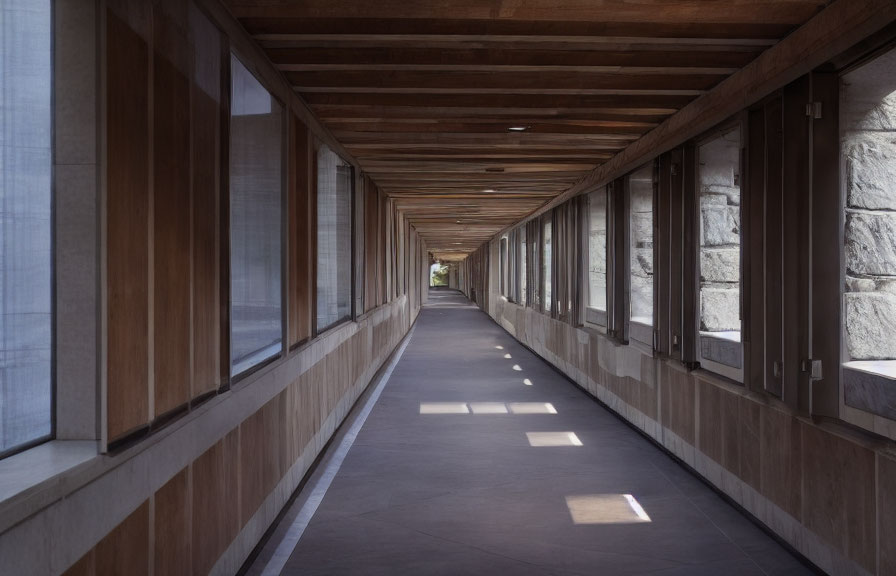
(641, 207)
(597, 250)
(720, 234)
(868, 121)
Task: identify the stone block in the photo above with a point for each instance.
(871, 170)
(720, 265)
(871, 244)
(642, 230)
(720, 226)
(717, 193)
(641, 197)
(642, 262)
(870, 320)
(868, 101)
(719, 309)
(597, 251)
(641, 297)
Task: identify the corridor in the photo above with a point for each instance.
(479, 458)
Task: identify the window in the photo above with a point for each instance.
(868, 149)
(546, 262)
(596, 311)
(502, 266)
(640, 189)
(718, 180)
(522, 252)
(334, 239)
(256, 188)
(26, 323)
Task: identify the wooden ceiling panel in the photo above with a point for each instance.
(424, 94)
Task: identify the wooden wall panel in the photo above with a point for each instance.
(300, 229)
(205, 119)
(127, 206)
(215, 511)
(171, 209)
(171, 526)
(125, 550)
(371, 234)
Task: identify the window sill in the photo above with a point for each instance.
(871, 386)
(39, 470)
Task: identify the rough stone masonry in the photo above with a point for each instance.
(720, 234)
(868, 120)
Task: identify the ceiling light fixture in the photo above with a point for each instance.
(488, 190)
(519, 128)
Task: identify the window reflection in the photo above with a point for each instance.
(256, 127)
(25, 223)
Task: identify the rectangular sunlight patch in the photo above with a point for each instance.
(553, 439)
(444, 408)
(532, 408)
(606, 509)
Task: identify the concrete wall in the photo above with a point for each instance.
(824, 489)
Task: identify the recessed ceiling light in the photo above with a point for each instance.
(488, 190)
(519, 128)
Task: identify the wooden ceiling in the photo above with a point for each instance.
(423, 93)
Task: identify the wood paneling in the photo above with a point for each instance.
(171, 524)
(215, 497)
(163, 201)
(300, 232)
(407, 84)
(205, 118)
(127, 227)
(125, 550)
(171, 209)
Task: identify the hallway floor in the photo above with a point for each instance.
(479, 458)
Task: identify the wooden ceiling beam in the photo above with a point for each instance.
(665, 102)
(473, 82)
(514, 116)
(601, 13)
(437, 126)
(385, 57)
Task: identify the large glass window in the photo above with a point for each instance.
(256, 188)
(720, 249)
(868, 147)
(334, 239)
(546, 263)
(597, 257)
(25, 223)
(640, 187)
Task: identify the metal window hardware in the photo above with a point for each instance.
(813, 110)
(813, 368)
(778, 368)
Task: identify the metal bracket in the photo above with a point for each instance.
(813, 110)
(813, 368)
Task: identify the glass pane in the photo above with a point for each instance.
(720, 248)
(868, 147)
(546, 266)
(334, 239)
(597, 250)
(641, 214)
(25, 235)
(256, 126)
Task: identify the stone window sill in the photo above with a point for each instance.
(870, 385)
(31, 479)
